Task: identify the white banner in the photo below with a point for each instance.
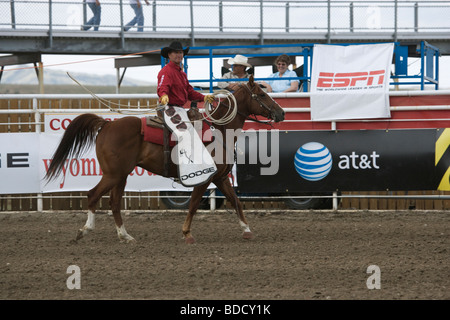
(19, 158)
(84, 173)
(351, 82)
(25, 157)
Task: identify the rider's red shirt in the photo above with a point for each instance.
(172, 80)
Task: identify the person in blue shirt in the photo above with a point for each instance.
(282, 63)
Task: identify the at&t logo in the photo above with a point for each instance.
(313, 161)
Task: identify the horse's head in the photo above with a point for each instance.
(261, 103)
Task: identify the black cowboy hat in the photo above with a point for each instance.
(174, 46)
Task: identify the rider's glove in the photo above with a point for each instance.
(164, 99)
(209, 98)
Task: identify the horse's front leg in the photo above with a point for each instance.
(224, 185)
(196, 197)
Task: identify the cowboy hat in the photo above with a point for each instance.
(174, 46)
(239, 59)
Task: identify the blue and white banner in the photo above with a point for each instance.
(351, 82)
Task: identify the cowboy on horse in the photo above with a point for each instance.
(196, 165)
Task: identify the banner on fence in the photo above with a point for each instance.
(25, 157)
(354, 160)
(19, 161)
(350, 82)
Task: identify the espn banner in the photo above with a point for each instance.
(351, 160)
(350, 82)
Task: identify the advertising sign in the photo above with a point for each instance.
(19, 158)
(353, 160)
(351, 82)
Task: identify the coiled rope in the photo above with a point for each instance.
(229, 115)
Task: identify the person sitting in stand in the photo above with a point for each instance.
(239, 65)
(282, 63)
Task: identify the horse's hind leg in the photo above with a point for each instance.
(115, 202)
(224, 185)
(94, 196)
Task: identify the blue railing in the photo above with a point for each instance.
(428, 55)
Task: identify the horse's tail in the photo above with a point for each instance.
(80, 135)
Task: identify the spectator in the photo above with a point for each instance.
(96, 9)
(282, 63)
(139, 16)
(239, 64)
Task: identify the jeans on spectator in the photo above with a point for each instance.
(95, 20)
(139, 18)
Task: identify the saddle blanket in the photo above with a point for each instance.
(155, 135)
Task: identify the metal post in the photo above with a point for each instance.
(352, 22)
(395, 20)
(37, 120)
(416, 17)
(436, 57)
(192, 23)
(154, 15)
(287, 17)
(13, 14)
(220, 16)
(335, 202)
(211, 73)
(422, 65)
(329, 22)
(50, 24)
(117, 80)
(84, 12)
(122, 31)
(261, 22)
(212, 199)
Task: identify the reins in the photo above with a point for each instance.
(261, 103)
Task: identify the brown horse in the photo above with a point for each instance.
(120, 148)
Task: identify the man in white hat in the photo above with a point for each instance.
(239, 65)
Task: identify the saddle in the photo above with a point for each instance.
(154, 130)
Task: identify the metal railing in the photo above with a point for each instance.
(24, 113)
(252, 16)
(427, 75)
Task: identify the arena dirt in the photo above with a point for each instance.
(294, 255)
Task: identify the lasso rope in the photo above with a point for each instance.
(227, 118)
(108, 103)
(232, 109)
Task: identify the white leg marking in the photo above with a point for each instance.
(123, 234)
(244, 226)
(88, 226)
(90, 223)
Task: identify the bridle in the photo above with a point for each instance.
(262, 104)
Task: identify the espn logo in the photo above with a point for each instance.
(350, 79)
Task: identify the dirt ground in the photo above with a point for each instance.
(299, 255)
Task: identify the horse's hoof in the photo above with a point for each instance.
(247, 235)
(127, 239)
(190, 240)
(80, 234)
